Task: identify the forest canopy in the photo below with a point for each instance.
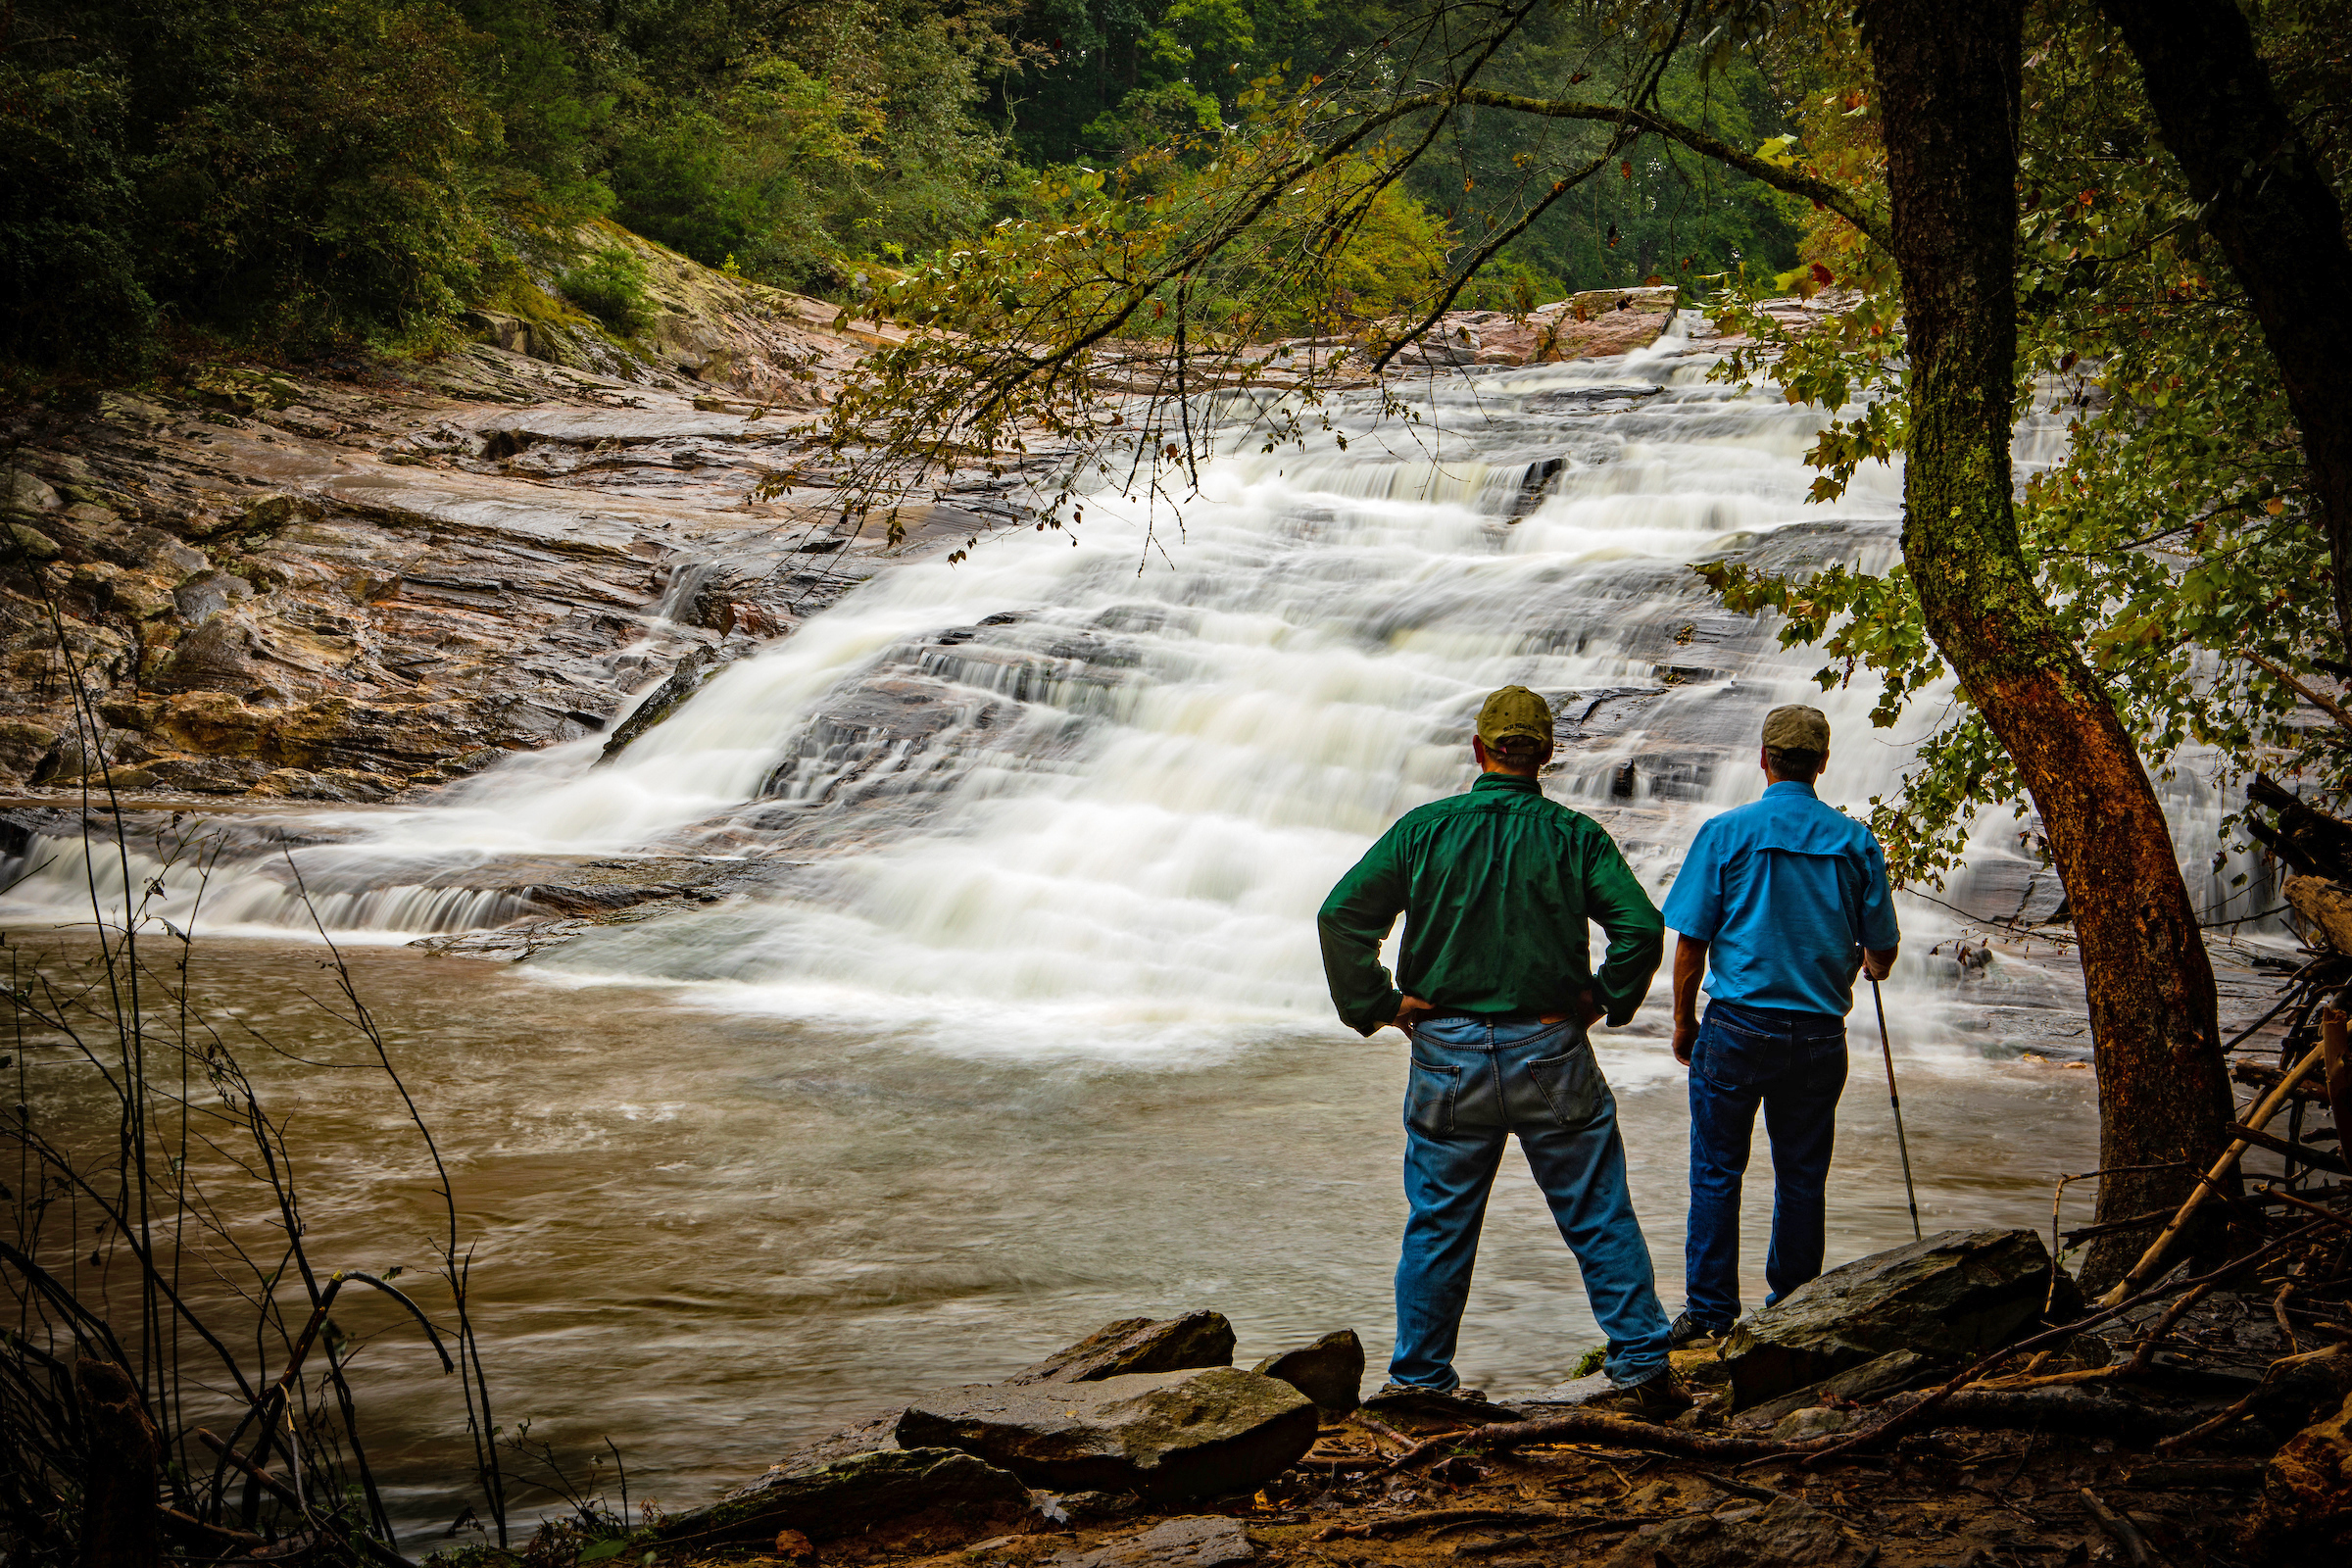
(298, 177)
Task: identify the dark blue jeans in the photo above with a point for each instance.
(1472, 1086)
(1793, 1065)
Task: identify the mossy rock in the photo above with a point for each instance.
(32, 543)
(23, 746)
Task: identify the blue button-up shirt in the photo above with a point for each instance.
(1784, 892)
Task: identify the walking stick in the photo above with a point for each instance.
(1897, 1102)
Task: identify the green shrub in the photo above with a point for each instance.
(70, 289)
(611, 286)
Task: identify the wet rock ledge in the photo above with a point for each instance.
(360, 578)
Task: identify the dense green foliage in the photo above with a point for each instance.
(1104, 79)
(298, 175)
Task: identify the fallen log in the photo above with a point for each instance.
(2326, 903)
(2232, 1473)
(2072, 1408)
(2069, 1408)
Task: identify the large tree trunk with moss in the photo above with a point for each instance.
(1947, 83)
(2267, 199)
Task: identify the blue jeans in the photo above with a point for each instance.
(1793, 1064)
(1474, 1084)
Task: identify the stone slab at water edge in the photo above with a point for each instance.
(1188, 1433)
(851, 1496)
(1956, 1293)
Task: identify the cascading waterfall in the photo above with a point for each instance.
(1135, 786)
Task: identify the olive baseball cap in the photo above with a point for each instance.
(1796, 728)
(1512, 711)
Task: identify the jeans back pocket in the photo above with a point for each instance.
(1429, 1094)
(1571, 1085)
(1738, 1059)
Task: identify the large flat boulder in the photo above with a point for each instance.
(853, 1494)
(1138, 1344)
(1956, 1294)
(1188, 1433)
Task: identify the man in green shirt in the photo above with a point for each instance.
(1495, 989)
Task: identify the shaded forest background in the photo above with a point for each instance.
(296, 177)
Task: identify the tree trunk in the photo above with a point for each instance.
(2268, 202)
(1947, 83)
(120, 1522)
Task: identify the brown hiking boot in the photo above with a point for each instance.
(1659, 1396)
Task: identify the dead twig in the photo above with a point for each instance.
(2145, 1350)
(1405, 1524)
(1740, 1488)
(2222, 1418)
(284, 1494)
(1488, 1549)
(1381, 1428)
(2292, 1201)
(2126, 1534)
(1336, 1462)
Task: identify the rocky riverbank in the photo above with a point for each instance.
(1951, 1401)
(243, 588)
(366, 578)
(373, 578)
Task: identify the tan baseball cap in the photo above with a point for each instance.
(1796, 728)
(1512, 711)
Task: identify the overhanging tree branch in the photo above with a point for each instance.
(1863, 215)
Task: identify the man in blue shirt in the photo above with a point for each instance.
(1778, 904)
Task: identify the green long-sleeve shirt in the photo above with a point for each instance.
(1496, 886)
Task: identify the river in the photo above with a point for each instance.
(1013, 1022)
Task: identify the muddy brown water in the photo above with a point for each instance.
(704, 1235)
